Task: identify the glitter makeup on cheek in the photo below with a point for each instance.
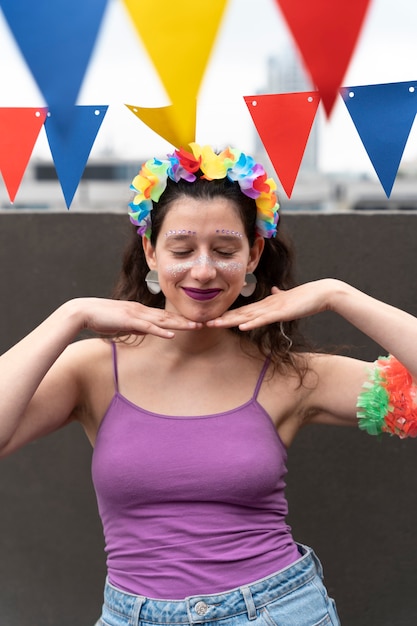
(229, 266)
(176, 269)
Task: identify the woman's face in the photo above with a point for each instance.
(202, 255)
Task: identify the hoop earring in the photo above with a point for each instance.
(249, 285)
(152, 282)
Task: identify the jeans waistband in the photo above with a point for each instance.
(212, 607)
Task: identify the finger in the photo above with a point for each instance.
(139, 320)
(165, 319)
(175, 322)
(235, 318)
(227, 320)
(147, 328)
(144, 327)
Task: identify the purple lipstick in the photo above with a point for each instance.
(201, 294)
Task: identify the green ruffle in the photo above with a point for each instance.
(373, 404)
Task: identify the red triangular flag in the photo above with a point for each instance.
(284, 122)
(19, 130)
(326, 33)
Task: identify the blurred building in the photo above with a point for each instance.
(285, 74)
(104, 186)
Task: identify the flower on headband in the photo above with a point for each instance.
(238, 167)
(214, 166)
(141, 215)
(247, 172)
(183, 164)
(267, 204)
(267, 220)
(188, 160)
(151, 181)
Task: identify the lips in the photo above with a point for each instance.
(201, 294)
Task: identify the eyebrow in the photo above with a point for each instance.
(228, 237)
(180, 237)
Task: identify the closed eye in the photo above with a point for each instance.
(181, 253)
(226, 252)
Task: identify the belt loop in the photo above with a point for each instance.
(134, 619)
(250, 605)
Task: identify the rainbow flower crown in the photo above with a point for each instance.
(151, 182)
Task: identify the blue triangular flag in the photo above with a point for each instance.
(383, 116)
(70, 152)
(56, 39)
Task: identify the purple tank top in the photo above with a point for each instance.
(191, 505)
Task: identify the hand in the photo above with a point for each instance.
(120, 316)
(280, 306)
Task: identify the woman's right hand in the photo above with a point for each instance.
(109, 317)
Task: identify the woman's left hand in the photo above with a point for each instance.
(280, 306)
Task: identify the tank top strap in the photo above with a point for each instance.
(115, 372)
(261, 378)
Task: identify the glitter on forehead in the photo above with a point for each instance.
(224, 231)
(180, 232)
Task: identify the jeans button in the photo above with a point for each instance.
(201, 608)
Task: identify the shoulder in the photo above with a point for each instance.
(90, 348)
(85, 354)
(87, 362)
(91, 363)
(89, 357)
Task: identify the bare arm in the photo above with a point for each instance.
(39, 386)
(23, 367)
(335, 381)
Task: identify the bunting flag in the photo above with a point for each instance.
(70, 151)
(56, 39)
(383, 116)
(19, 130)
(326, 33)
(176, 124)
(284, 122)
(178, 38)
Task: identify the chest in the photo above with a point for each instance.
(233, 456)
(192, 388)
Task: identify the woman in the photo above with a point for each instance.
(193, 404)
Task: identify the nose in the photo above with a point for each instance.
(203, 269)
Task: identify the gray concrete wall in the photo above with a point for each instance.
(353, 498)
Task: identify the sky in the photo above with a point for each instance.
(252, 31)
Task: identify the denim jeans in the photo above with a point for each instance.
(294, 596)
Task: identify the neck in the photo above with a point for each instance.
(195, 342)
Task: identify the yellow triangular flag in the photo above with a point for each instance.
(178, 37)
(176, 124)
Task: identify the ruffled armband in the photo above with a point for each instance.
(387, 402)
